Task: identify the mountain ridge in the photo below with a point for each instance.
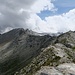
(19, 46)
(24, 52)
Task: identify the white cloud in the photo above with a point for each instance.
(15, 13)
(62, 22)
(57, 23)
(41, 5)
(39, 25)
(23, 13)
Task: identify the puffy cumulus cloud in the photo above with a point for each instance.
(41, 5)
(39, 25)
(54, 24)
(62, 23)
(16, 13)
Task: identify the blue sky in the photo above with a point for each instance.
(63, 6)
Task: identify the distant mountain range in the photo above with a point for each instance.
(24, 52)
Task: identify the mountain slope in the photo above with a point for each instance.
(24, 52)
(58, 53)
(18, 47)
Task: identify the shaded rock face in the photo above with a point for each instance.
(9, 36)
(18, 47)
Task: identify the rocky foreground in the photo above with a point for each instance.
(24, 52)
(63, 69)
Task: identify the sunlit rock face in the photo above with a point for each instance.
(62, 69)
